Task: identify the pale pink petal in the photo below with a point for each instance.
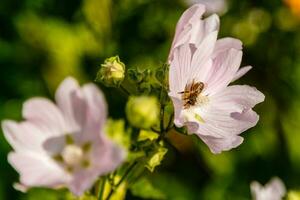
(192, 29)
(224, 69)
(212, 6)
(217, 145)
(82, 180)
(178, 106)
(241, 72)
(20, 187)
(226, 124)
(65, 96)
(225, 44)
(277, 186)
(55, 145)
(37, 170)
(224, 117)
(230, 111)
(211, 23)
(95, 113)
(24, 136)
(256, 188)
(44, 114)
(205, 27)
(201, 56)
(273, 190)
(180, 68)
(238, 96)
(188, 18)
(111, 155)
(105, 158)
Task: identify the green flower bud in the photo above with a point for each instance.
(112, 72)
(115, 129)
(293, 195)
(143, 111)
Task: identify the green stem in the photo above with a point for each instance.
(155, 131)
(124, 90)
(170, 125)
(162, 128)
(115, 187)
(101, 188)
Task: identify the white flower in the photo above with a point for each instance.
(201, 69)
(63, 144)
(273, 190)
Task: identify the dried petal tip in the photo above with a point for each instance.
(112, 72)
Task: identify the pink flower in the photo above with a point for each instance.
(63, 144)
(201, 68)
(212, 6)
(273, 190)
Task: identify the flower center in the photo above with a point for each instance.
(72, 155)
(192, 94)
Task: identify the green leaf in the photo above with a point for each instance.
(147, 135)
(47, 194)
(155, 158)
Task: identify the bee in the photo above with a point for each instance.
(190, 93)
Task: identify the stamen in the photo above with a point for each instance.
(72, 155)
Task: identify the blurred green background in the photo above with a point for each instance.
(43, 41)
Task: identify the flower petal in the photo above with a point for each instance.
(241, 72)
(205, 27)
(242, 96)
(224, 69)
(65, 97)
(180, 68)
(37, 170)
(217, 145)
(24, 136)
(227, 113)
(225, 44)
(45, 114)
(95, 112)
(178, 106)
(274, 190)
(111, 157)
(184, 26)
(201, 57)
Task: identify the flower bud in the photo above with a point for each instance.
(143, 111)
(112, 72)
(115, 129)
(293, 195)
